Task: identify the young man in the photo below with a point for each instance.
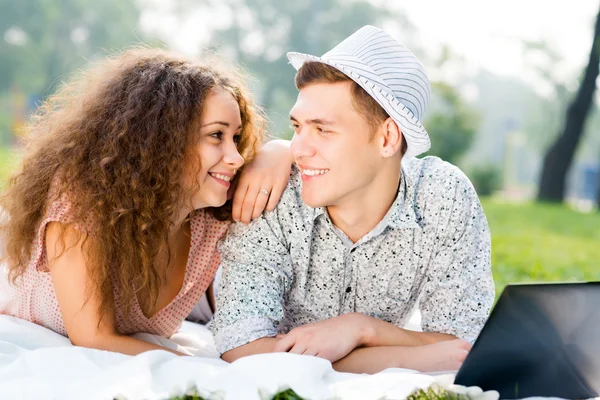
(358, 239)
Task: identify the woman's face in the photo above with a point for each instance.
(216, 146)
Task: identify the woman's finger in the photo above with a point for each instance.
(275, 195)
(261, 202)
(238, 200)
(252, 194)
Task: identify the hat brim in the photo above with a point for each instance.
(417, 138)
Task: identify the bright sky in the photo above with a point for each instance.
(488, 34)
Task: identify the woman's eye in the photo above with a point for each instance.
(237, 139)
(217, 135)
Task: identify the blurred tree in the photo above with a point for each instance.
(452, 126)
(546, 116)
(559, 157)
(44, 39)
(451, 122)
(262, 31)
(486, 178)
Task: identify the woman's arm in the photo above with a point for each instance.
(269, 172)
(78, 300)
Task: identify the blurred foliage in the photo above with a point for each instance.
(452, 126)
(9, 160)
(486, 179)
(44, 39)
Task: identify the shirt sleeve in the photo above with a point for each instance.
(459, 292)
(257, 272)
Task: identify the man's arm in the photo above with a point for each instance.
(382, 333)
(257, 272)
(459, 292)
(441, 356)
(259, 346)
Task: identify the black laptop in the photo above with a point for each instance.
(540, 340)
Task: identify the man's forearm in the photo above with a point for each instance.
(259, 346)
(370, 360)
(381, 333)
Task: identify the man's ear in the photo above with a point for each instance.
(392, 138)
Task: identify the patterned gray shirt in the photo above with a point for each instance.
(292, 266)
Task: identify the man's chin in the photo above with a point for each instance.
(313, 201)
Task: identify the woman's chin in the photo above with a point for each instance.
(219, 201)
(214, 202)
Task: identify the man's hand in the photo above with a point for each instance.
(331, 339)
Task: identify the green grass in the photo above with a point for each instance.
(542, 242)
(530, 242)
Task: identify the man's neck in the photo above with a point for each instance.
(360, 214)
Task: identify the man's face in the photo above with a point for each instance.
(332, 146)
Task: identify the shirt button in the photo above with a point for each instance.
(348, 289)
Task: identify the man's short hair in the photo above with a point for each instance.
(315, 72)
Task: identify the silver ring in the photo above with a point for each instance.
(265, 191)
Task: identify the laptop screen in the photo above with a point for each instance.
(540, 340)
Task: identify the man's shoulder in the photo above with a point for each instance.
(435, 180)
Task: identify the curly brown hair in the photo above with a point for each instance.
(116, 139)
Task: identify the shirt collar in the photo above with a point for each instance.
(402, 212)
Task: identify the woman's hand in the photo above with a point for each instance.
(262, 181)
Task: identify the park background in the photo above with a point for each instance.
(514, 99)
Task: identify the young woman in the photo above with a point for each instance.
(111, 226)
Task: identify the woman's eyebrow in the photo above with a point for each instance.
(225, 124)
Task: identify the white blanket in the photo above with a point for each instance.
(36, 363)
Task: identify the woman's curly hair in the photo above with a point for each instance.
(116, 139)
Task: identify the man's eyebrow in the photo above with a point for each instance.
(316, 121)
(225, 124)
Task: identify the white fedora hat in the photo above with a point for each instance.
(388, 72)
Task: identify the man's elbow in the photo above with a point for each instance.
(231, 355)
(239, 352)
(259, 346)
